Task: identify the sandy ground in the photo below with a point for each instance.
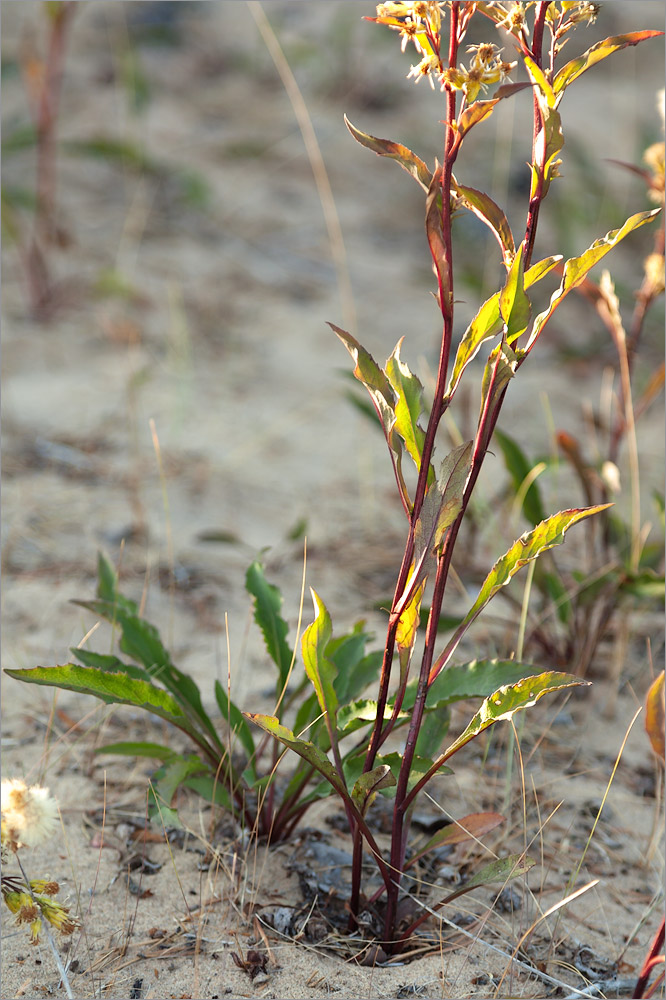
(205, 313)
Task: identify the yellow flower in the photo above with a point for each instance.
(29, 814)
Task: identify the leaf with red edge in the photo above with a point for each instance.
(654, 715)
(573, 69)
(470, 827)
(409, 161)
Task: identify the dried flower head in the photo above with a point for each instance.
(29, 814)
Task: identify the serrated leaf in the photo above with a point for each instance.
(529, 546)
(483, 206)
(366, 787)
(114, 689)
(573, 69)
(577, 268)
(267, 605)
(509, 699)
(654, 715)
(519, 468)
(470, 827)
(488, 323)
(395, 151)
(106, 661)
(308, 751)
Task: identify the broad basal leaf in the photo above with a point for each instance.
(114, 689)
(395, 151)
(267, 605)
(234, 718)
(501, 870)
(576, 269)
(106, 661)
(476, 679)
(547, 534)
(138, 749)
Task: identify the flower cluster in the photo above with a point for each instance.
(29, 817)
(420, 23)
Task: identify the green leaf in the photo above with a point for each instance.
(514, 305)
(420, 767)
(318, 667)
(210, 789)
(105, 661)
(408, 405)
(573, 69)
(394, 150)
(166, 782)
(470, 827)
(114, 689)
(434, 727)
(132, 749)
(576, 269)
(501, 366)
(538, 77)
(501, 870)
(483, 206)
(519, 468)
(366, 787)
(488, 323)
(646, 585)
(475, 679)
(354, 670)
(360, 713)
(441, 506)
(558, 594)
(308, 751)
(267, 605)
(235, 720)
(509, 699)
(547, 534)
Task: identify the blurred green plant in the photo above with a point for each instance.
(338, 734)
